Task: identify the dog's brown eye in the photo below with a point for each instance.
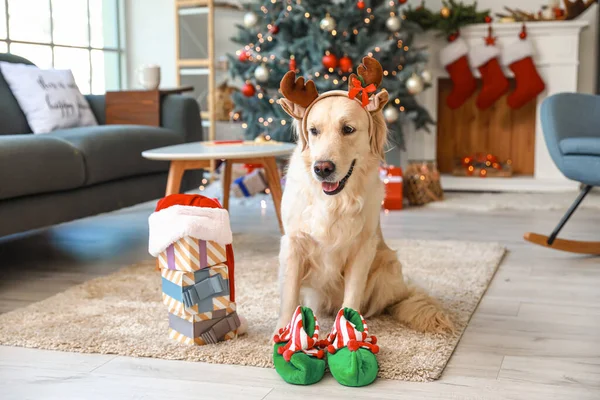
(313, 131)
(347, 129)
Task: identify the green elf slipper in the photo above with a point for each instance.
(295, 355)
(351, 358)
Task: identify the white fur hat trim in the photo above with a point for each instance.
(171, 224)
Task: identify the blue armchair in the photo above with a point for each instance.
(571, 126)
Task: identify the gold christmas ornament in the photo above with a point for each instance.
(414, 84)
(327, 23)
(250, 19)
(393, 23)
(445, 11)
(391, 114)
(261, 73)
(426, 76)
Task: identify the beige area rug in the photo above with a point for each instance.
(514, 201)
(122, 313)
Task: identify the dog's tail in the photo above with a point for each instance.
(421, 312)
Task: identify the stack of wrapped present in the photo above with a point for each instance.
(191, 237)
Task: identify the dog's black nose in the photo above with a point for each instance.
(324, 168)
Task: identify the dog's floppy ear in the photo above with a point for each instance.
(378, 139)
(294, 110)
(377, 102)
(302, 135)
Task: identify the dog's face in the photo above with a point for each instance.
(338, 139)
(338, 135)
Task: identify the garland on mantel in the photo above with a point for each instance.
(449, 19)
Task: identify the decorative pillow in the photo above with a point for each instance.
(50, 99)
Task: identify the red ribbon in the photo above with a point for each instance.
(357, 88)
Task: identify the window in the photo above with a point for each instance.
(83, 36)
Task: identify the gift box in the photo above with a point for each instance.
(392, 179)
(203, 291)
(190, 254)
(191, 238)
(249, 185)
(203, 332)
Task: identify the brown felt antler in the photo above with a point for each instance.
(296, 91)
(370, 71)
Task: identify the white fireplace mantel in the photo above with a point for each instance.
(556, 55)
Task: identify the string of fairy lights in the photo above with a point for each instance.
(338, 74)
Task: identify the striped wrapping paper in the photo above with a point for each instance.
(189, 254)
(210, 288)
(173, 334)
(203, 332)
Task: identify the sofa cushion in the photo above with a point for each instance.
(13, 119)
(114, 151)
(49, 98)
(38, 164)
(587, 146)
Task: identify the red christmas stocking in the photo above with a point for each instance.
(529, 83)
(454, 58)
(485, 58)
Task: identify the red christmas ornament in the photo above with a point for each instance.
(489, 39)
(558, 12)
(292, 64)
(248, 90)
(401, 1)
(453, 36)
(488, 19)
(523, 33)
(360, 5)
(243, 56)
(274, 29)
(330, 61)
(346, 64)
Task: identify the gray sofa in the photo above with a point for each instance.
(68, 174)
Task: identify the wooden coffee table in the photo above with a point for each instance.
(198, 155)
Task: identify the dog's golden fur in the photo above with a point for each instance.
(333, 254)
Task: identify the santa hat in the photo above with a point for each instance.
(180, 215)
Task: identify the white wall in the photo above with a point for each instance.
(150, 39)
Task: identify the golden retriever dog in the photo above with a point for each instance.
(333, 254)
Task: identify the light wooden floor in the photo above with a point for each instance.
(536, 334)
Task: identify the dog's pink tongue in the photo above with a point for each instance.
(330, 186)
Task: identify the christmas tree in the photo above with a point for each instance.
(325, 40)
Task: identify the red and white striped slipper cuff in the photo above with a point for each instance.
(345, 334)
(297, 339)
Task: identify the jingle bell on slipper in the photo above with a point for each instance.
(191, 238)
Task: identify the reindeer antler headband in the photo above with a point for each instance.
(300, 97)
